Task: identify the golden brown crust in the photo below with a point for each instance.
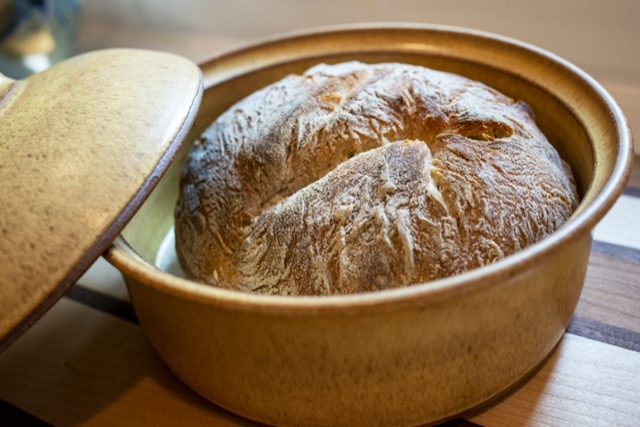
(355, 177)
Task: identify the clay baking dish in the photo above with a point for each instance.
(399, 357)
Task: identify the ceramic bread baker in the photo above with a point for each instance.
(403, 356)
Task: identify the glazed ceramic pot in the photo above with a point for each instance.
(406, 356)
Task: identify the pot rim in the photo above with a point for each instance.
(223, 67)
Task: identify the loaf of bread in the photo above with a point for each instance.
(355, 178)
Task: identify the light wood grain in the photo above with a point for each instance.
(611, 292)
(621, 226)
(82, 367)
(78, 366)
(578, 386)
(634, 181)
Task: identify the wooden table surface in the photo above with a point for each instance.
(87, 361)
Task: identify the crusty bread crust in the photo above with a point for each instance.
(354, 178)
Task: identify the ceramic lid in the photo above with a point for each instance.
(82, 144)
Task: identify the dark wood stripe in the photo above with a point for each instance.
(13, 416)
(617, 251)
(103, 302)
(459, 422)
(631, 191)
(605, 333)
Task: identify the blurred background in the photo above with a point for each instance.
(603, 38)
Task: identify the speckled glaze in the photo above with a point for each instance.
(396, 357)
(81, 145)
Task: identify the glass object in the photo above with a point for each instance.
(35, 34)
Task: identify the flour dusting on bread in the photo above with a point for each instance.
(354, 178)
